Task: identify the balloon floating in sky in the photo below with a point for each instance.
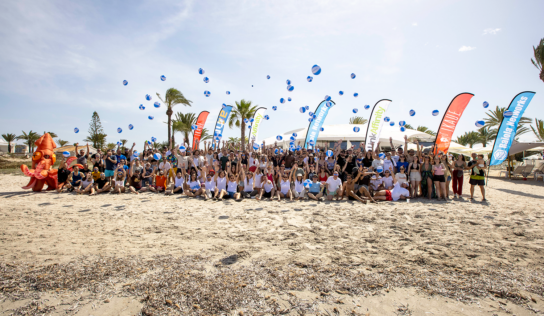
(66, 154)
(201, 71)
(228, 92)
(125, 82)
(391, 123)
(153, 139)
(355, 110)
(255, 146)
(290, 88)
(329, 153)
(302, 109)
(157, 104)
(310, 120)
(381, 155)
(251, 120)
(322, 129)
(367, 107)
(402, 129)
(480, 123)
(150, 117)
(435, 112)
(148, 97)
(356, 129)
(157, 156)
(163, 78)
(314, 116)
(307, 108)
(387, 119)
(356, 94)
(412, 112)
(288, 82)
(206, 79)
(282, 100)
(327, 98)
(279, 137)
(207, 93)
(141, 107)
(508, 113)
(76, 130)
(316, 70)
(485, 105)
(119, 130)
(310, 78)
(267, 77)
(402, 123)
(352, 76)
(194, 127)
(266, 117)
(182, 148)
(329, 104)
(311, 114)
(223, 106)
(292, 138)
(295, 134)
(307, 183)
(130, 126)
(246, 121)
(274, 108)
(289, 99)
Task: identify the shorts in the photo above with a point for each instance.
(332, 193)
(178, 192)
(158, 188)
(267, 194)
(109, 173)
(476, 182)
(388, 196)
(230, 194)
(415, 176)
(448, 179)
(298, 194)
(439, 178)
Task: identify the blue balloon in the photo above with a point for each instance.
(402, 128)
(249, 126)
(246, 121)
(367, 107)
(223, 106)
(356, 129)
(274, 108)
(150, 117)
(267, 77)
(356, 94)
(76, 130)
(279, 138)
(130, 126)
(276, 151)
(352, 76)
(307, 108)
(66, 154)
(402, 123)
(310, 120)
(282, 100)
(182, 148)
(251, 120)
(329, 104)
(194, 127)
(228, 92)
(292, 138)
(255, 146)
(141, 107)
(290, 88)
(201, 71)
(316, 70)
(295, 134)
(355, 110)
(329, 153)
(206, 79)
(291, 143)
(125, 82)
(148, 97)
(327, 98)
(148, 142)
(379, 169)
(508, 113)
(322, 129)
(153, 139)
(485, 105)
(480, 123)
(292, 148)
(307, 183)
(314, 116)
(288, 82)
(207, 93)
(311, 113)
(302, 109)
(386, 119)
(157, 104)
(289, 99)
(309, 78)
(412, 112)
(381, 155)
(298, 148)
(163, 78)
(311, 142)
(435, 112)
(266, 117)
(391, 123)
(157, 156)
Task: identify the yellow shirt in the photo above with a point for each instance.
(96, 175)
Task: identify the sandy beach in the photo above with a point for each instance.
(166, 255)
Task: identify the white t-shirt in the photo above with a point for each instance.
(377, 163)
(194, 185)
(221, 183)
(165, 166)
(397, 191)
(178, 181)
(376, 183)
(395, 159)
(387, 164)
(333, 184)
(401, 177)
(387, 181)
(268, 186)
(210, 185)
(258, 181)
(285, 186)
(248, 185)
(299, 186)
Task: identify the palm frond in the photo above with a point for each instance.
(357, 120)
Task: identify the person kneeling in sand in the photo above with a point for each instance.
(399, 191)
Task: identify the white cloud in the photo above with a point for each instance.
(466, 48)
(491, 31)
(414, 24)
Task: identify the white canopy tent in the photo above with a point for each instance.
(332, 133)
(516, 147)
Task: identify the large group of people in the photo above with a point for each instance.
(220, 171)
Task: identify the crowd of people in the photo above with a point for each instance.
(220, 171)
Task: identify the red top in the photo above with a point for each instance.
(323, 178)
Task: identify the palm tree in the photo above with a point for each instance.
(110, 146)
(539, 58)
(9, 138)
(472, 138)
(408, 126)
(357, 120)
(205, 135)
(243, 110)
(172, 98)
(494, 120)
(53, 135)
(29, 139)
(123, 142)
(425, 129)
(61, 142)
(183, 123)
(485, 135)
(462, 140)
(538, 130)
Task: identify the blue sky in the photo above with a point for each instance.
(62, 60)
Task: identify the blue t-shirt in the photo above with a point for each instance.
(405, 164)
(315, 187)
(120, 157)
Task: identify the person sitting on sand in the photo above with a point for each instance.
(315, 191)
(87, 184)
(193, 187)
(230, 192)
(267, 190)
(135, 180)
(334, 187)
(297, 180)
(119, 180)
(249, 181)
(63, 176)
(284, 188)
(161, 182)
(399, 191)
(348, 189)
(387, 179)
(102, 185)
(75, 178)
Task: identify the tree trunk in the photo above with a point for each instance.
(169, 112)
(243, 138)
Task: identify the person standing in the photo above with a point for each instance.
(111, 163)
(477, 175)
(457, 175)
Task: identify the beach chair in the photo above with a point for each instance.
(539, 172)
(518, 171)
(527, 170)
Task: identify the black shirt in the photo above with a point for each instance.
(62, 175)
(100, 165)
(367, 162)
(101, 182)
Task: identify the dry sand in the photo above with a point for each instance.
(417, 258)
